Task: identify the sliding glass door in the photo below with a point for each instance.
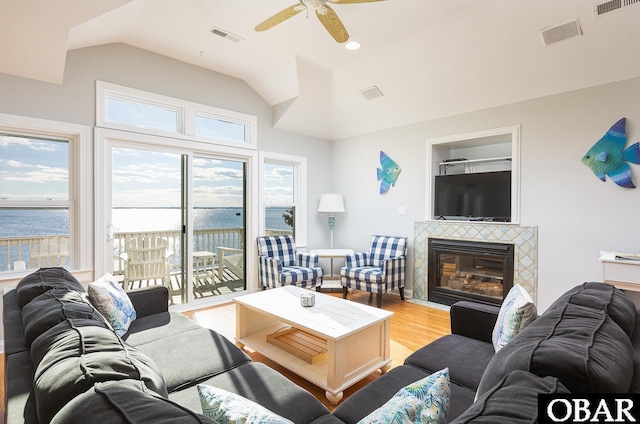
(218, 226)
(173, 216)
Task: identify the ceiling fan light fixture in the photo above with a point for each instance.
(353, 45)
(315, 4)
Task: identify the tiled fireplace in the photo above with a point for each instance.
(523, 238)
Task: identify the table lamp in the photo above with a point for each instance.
(331, 203)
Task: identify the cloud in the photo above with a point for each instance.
(279, 174)
(147, 173)
(43, 174)
(33, 144)
(217, 174)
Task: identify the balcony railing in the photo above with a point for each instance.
(34, 252)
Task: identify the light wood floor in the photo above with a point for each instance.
(412, 326)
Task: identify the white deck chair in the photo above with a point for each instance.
(50, 251)
(233, 260)
(146, 260)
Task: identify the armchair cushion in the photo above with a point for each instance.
(386, 247)
(365, 274)
(282, 248)
(297, 274)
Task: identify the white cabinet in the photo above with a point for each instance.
(624, 274)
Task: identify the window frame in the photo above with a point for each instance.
(80, 186)
(299, 164)
(186, 115)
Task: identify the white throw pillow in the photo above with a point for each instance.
(109, 298)
(517, 311)
(229, 408)
(425, 401)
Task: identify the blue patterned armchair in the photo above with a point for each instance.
(279, 264)
(379, 270)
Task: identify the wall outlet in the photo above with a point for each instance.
(402, 210)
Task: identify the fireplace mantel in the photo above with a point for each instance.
(524, 239)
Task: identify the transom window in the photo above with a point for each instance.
(129, 109)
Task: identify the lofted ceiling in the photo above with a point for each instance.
(429, 58)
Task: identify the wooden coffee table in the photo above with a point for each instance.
(357, 336)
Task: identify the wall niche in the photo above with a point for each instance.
(480, 152)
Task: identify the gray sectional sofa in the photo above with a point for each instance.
(63, 364)
(587, 341)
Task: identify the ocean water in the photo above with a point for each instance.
(34, 222)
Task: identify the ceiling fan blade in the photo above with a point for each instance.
(279, 17)
(334, 25)
(352, 1)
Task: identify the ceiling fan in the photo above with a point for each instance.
(324, 12)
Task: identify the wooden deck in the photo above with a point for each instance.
(204, 287)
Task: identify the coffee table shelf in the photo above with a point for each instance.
(358, 336)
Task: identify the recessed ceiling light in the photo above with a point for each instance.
(353, 45)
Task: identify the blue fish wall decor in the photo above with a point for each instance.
(388, 174)
(609, 157)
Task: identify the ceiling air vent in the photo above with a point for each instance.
(226, 34)
(371, 93)
(611, 6)
(561, 32)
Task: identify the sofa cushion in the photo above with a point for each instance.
(18, 386)
(125, 401)
(70, 358)
(108, 297)
(454, 351)
(192, 356)
(604, 297)
(229, 408)
(513, 400)
(263, 385)
(156, 327)
(376, 393)
(43, 280)
(581, 346)
(12, 323)
(54, 306)
(424, 401)
(635, 340)
(517, 311)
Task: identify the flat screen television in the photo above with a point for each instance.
(484, 196)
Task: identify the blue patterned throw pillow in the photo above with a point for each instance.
(424, 402)
(229, 408)
(108, 297)
(517, 311)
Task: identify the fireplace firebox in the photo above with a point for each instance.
(469, 270)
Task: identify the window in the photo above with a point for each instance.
(129, 109)
(143, 115)
(283, 210)
(39, 182)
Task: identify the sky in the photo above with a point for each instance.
(37, 169)
(33, 169)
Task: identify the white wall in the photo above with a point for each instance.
(74, 102)
(577, 215)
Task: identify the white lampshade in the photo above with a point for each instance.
(331, 203)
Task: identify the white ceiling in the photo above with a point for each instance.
(429, 58)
